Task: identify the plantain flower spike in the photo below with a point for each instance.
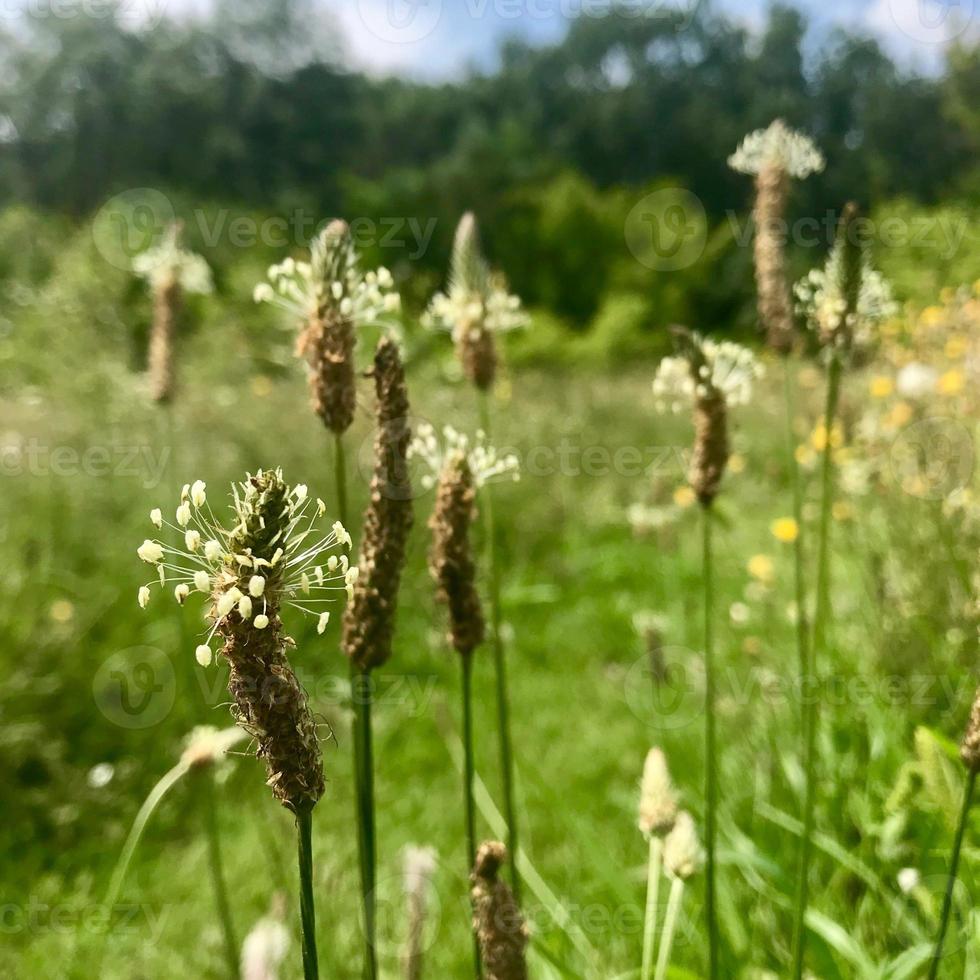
(713, 376)
(658, 798)
(171, 271)
(331, 297)
(475, 307)
(450, 559)
(269, 557)
(683, 856)
(497, 919)
(774, 156)
(970, 747)
(369, 617)
(846, 300)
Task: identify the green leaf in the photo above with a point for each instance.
(940, 777)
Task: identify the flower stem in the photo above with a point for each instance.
(710, 756)
(152, 801)
(653, 899)
(222, 905)
(670, 926)
(953, 865)
(468, 775)
(500, 667)
(364, 778)
(304, 827)
(363, 762)
(809, 694)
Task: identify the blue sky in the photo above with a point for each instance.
(439, 38)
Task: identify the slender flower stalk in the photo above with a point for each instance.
(420, 863)
(453, 569)
(842, 304)
(713, 377)
(206, 747)
(497, 921)
(369, 618)
(266, 945)
(658, 813)
(267, 559)
(773, 156)
(683, 859)
(970, 754)
(171, 271)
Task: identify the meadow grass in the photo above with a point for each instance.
(902, 655)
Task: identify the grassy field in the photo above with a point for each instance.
(99, 695)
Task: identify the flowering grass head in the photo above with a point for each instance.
(774, 155)
(331, 296)
(271, 554)
(777, 147)
(497, 920)
(171, 271)
(712, 376)
(485, 463)
(369, 618)
(168, 263)
(475, 306)
(658, 798)
(683, 856)
(848, 299)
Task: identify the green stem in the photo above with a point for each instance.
(500, 668)
(710, 761)
(802, 626)
(217, 872)
(304, 827)
(363, 763)
(953, 865)
(670, 927)
(653, 899)
(367, 840)
(152, 801)
(468, 776)
(340, 477)
(809, 692)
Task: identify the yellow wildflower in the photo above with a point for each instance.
(785, 529)
(951, 383)
(684, 496)
(881, 386)
(761, 567)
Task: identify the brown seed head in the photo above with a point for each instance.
(970, 747)
(370, 614)
(270, 704)
(774, 300)
(450, 561)
(477, 354)
(327, 342)
(497, 919)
